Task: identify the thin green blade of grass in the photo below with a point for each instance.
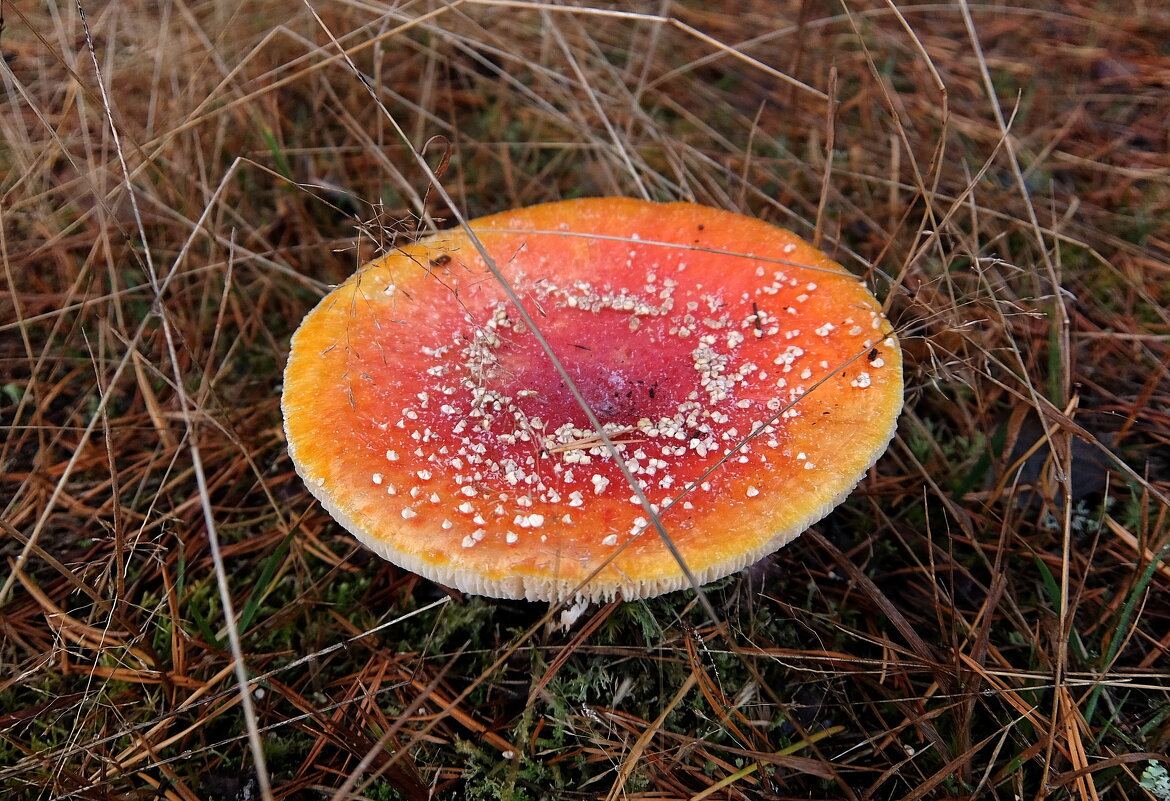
(278, 157)
(264, 585)
(1117, 634)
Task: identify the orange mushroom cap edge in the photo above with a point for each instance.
(748, 381)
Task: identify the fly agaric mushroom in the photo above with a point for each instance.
(747, 393)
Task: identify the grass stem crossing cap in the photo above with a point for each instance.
(747, 380)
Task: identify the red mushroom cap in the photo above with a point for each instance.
(428, 421)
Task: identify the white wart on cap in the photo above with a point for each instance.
(428, 421)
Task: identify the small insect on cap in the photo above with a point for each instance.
(747, 380)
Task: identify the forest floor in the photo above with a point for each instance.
(988, 616)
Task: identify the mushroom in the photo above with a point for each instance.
(747, 381)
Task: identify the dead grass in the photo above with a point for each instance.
(986, 617)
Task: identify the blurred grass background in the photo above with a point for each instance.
(986, 617)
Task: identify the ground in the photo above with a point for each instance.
(985, 617)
